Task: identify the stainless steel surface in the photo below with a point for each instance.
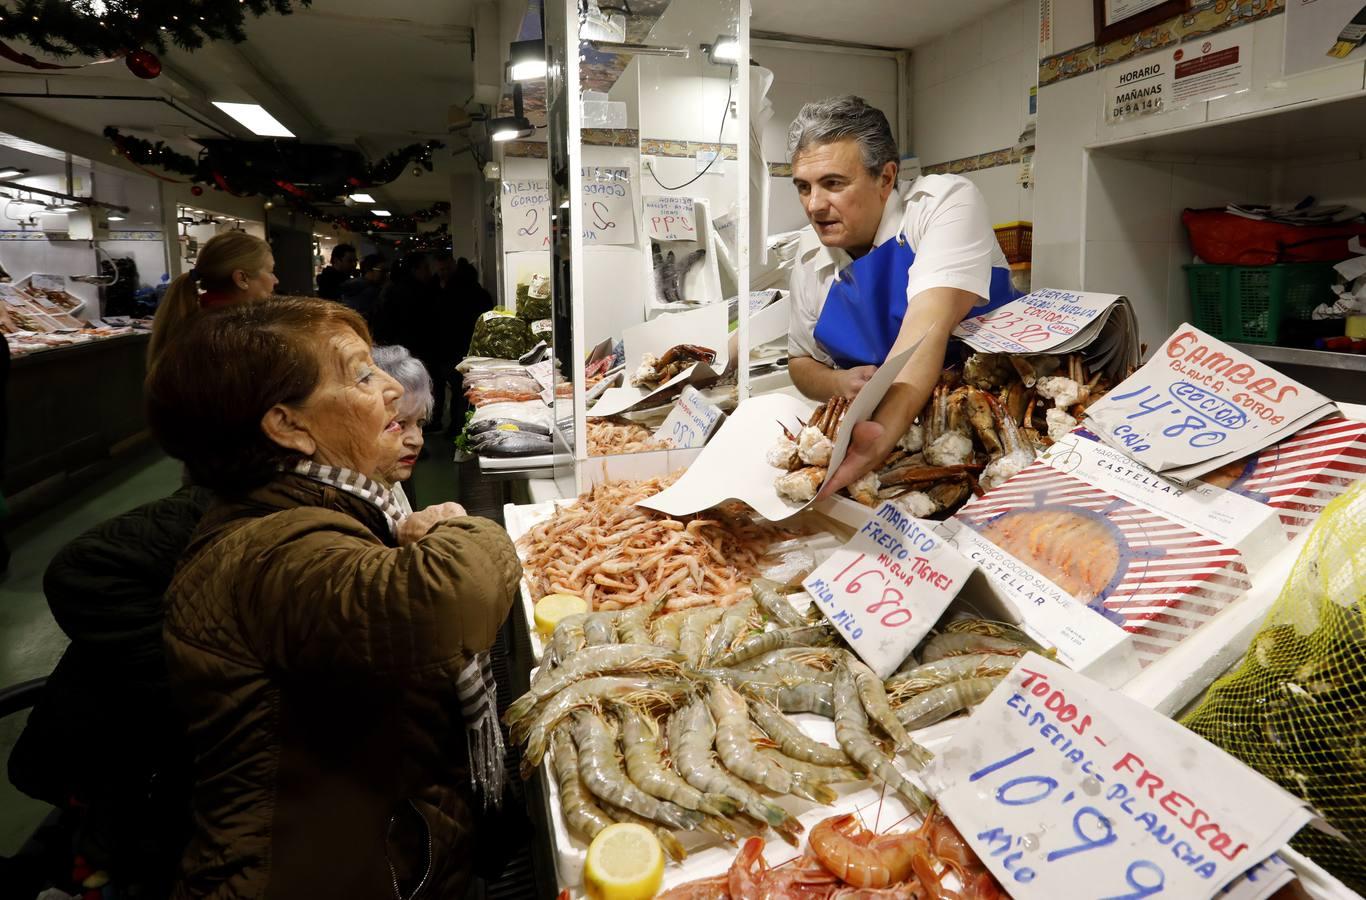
(1349, 362)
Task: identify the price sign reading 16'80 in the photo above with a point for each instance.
(885, 588)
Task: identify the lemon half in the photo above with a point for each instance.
(551, 608)
(625, 862)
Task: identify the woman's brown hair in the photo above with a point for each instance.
(207, 393)
(220, 256)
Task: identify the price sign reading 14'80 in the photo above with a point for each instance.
(885, 588)
(1199, 400)
(1068, 789)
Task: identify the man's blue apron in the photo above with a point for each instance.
(867, 301)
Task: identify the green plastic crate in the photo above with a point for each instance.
(1249, 303)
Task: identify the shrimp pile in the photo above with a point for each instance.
(610, 437)
(681, 720)
(847, 860)
(616, 555)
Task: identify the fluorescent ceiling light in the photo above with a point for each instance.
(725, 51)
(380, 212)
(255, 118)
(11, 171)
(362, 198)
(115, 219)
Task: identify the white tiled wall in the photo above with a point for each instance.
(970, 95)
(1106, 222)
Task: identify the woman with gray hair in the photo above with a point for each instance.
(881, 270)
(414, 409)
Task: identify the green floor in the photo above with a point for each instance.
(31, 642)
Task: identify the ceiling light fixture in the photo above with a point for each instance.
(724, 52)
(115, 219)
(526, 60)
(11, 172)
(380, 212)
(255, 118)
(362, 198)
(64, 208)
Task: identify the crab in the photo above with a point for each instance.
(806, 455)
(654, 371)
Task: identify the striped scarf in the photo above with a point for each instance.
(475, 685)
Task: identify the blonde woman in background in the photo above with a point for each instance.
(232, 267)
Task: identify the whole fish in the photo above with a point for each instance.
(508, 425)
(511, 443)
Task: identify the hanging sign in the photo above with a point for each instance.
(691, 421)
(608, 215)
(525, 207)
(887, 587)
(670, 218)
(1057, 782)
(1140, 87)
(1198, 404)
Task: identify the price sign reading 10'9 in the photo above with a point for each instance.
(887, 587)
(1065, 788)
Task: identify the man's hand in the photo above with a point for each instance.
(851, 381)
(867, 449)
(419, 523)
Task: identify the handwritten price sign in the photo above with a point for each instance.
(1067, 789)
(887, 587)
(608, 206)
(670, 218)
(1035, 323)
(1198, 399)
(525, 207)
(692, 420)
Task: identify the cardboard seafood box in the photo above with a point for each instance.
(1116, 566)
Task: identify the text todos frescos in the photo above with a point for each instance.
(1057, 782)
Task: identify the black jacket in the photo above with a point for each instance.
(105, 735)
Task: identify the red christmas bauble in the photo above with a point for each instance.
(197, 190)
(143, 63)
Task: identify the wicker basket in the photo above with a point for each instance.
(1016, 240)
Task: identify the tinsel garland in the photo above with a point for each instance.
(111, 27)
(246, 168)
(362, 224)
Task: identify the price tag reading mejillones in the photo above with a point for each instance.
(691, 421)
(1067, 789)
(1198, 404)
(887, 587)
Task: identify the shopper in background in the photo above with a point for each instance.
(105, 743)
(341, 270)
(316, 641)
(232, 267)
(404, 303)
(4, 440)
(413, 411)
(362, 294)
(469, 301)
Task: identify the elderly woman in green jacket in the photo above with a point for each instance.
(322, 644)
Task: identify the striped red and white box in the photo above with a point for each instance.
(1157, 579)
(1302, 474)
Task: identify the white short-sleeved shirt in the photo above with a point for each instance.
(945, 220)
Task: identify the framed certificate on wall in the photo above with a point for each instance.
(1120, 18)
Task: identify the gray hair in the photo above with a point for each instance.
(408, 371)
(837, 118)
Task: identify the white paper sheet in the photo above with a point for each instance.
(733, 467)
(706, 327)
